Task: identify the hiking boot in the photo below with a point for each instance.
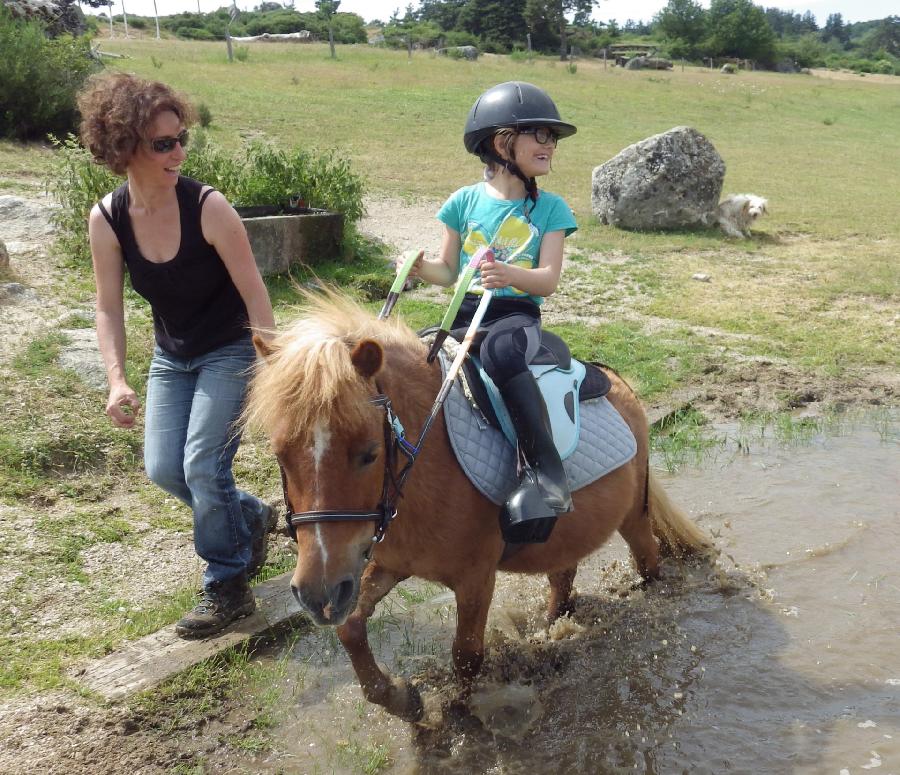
(220, 604)
(259, 541)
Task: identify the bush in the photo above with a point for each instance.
(194, 33)
(40, 78)
(883, 66)
(77, 184)
(204, 115)
(258, 174)
(261, 174)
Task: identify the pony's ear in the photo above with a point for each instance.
(765, 206)
(746, 207)
(367, 357)
(262, 347)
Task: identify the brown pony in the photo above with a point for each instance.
(312, 394)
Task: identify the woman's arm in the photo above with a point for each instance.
(541, 281)
(222, 228)
(122, 404)
(443, 269)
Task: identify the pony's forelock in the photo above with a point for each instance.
(308, 377)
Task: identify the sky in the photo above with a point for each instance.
(620, 10)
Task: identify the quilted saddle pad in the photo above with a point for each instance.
(605, 442)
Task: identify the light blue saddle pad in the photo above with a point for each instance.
(605, 443)
(559, 388)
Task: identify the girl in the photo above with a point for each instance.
(513, 128)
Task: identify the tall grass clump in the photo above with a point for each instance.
(257, 174)
(39, 78)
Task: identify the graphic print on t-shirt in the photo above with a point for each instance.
(513, 232)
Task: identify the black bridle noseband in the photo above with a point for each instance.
(391, 486)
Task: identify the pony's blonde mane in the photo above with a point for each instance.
(309, 377)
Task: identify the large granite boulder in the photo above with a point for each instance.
(669, 181)
(58, 16)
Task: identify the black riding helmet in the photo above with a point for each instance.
(513, 104)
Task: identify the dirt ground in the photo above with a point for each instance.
(62, 732)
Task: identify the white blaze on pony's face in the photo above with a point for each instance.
(321, 438)
(337, 467)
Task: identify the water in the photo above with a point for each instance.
(783, 658)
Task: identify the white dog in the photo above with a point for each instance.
(737, 212)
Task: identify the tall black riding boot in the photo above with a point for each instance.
(530, 510)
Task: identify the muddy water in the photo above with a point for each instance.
(784, 657)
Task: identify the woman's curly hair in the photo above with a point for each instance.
(116, 113)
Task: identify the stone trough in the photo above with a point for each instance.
(302, 235)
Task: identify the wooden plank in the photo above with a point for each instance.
(675, 402)
(147, 662)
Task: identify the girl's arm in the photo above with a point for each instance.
(443, 269)
(222, 228)
(541, 281)
(122, 404)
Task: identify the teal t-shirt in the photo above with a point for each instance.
(483, 220)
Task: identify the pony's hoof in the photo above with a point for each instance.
(405, 701)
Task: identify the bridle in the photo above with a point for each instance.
(391, 485)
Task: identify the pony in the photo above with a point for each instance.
(328, 392)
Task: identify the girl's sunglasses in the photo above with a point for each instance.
(542, 134)
(167, 144)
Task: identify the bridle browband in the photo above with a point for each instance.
(391, 485)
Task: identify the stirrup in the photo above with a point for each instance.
(526, 517)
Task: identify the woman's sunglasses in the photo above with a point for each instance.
(542, 134)
(167, 144)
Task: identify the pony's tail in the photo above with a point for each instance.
(678, 535)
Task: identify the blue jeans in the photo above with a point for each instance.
(190, 440)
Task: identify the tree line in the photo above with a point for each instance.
(739, 29)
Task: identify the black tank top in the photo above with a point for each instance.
(196, 306)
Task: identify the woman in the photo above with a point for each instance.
(187, 253)
(513, 128)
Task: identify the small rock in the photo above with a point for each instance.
(701, 277)
(15, 291)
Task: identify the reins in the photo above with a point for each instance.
(394, 434)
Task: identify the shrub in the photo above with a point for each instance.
(195, 33)
(40, 78)
(262, 174)
(242, 53)
(883, 66)
(204, 114)
(257, 174)
(77, 184)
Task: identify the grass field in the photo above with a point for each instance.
(804, 311)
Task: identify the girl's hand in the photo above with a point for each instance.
(416, 267)
(494, 275)
(122, 406)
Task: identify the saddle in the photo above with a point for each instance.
(564, 382)
(488, 457)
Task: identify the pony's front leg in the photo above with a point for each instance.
(394, 694)
(473, 599)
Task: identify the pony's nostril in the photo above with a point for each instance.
(343, 592)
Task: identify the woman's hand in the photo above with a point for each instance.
(122, 405)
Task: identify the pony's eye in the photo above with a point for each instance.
(369, 456)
